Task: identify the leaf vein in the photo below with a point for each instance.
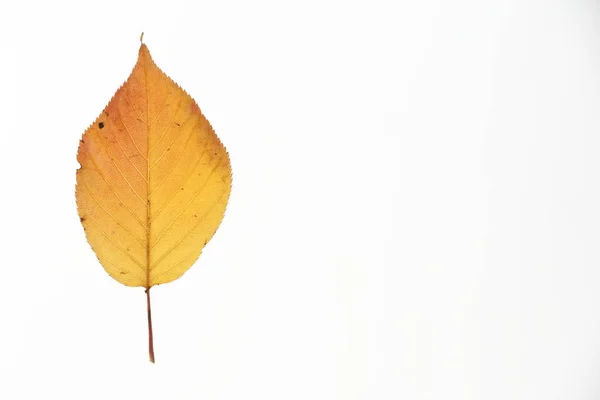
(174, 139)
(172, 266)
(130, 104)
(172, 168)
(167, 128)
(200, 189)
(105, 147)
(88, 190)
(130, 137)
(128, 158)
(118, 246)
(189, 231)
(192, 172)
(119, 268)
(138, 81)
(99, 171)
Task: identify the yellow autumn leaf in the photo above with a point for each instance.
(154, 181)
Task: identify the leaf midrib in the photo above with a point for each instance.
(148, 220)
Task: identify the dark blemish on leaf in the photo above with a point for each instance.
(195, 216)
(101, 125)
(122, 272)
(177, 123)
(181, 188)
(128, 249)
(81, 219)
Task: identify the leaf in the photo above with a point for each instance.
(154, 181)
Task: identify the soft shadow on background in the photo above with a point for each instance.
(414, 211)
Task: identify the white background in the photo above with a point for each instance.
(415, 210)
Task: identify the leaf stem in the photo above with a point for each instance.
(150, 337)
